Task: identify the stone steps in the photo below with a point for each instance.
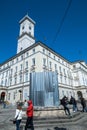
(55, 121)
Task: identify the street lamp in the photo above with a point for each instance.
(20, 91)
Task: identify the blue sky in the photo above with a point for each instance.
(70, 41)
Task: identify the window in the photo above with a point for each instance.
(64, 71)
(60, 69)
(7, 73)
(3, 75)
(21, 67)
(33, 61)
(21, 49)
(14, 94)
(61, 78)
(16, 69)
(62, 62)
(49, 54)
(43, 50)
(83, 80)
(12, 62)
(74, 66)
(65, 80)
(67, 94)
(22, 27)
(27, 54)
(15, 80)
(17, 59)
(7, 64)
(33, 50)
(9, 96)
(26, 64)
(22, 57)
(55, 66)
(30, 33)
(29, 27)
(3, 66)
(6, 82)
(50, 64)
(63, 93)
(2, 82)
(10, 81)
(26, 76)
(11, 71)
(44, 61)
(21, 78)
(58, 60)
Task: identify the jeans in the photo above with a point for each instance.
(66, 109)
(74, 107)
(18, 124)
(84, 109)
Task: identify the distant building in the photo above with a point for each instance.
(38, 57)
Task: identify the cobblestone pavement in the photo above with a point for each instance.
(8, 113)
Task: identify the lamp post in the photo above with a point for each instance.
(20, 91)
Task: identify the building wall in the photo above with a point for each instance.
(15, 73)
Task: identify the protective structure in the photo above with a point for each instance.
(44, 89)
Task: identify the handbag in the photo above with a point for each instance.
(14, 120)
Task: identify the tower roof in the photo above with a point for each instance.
(28, 18)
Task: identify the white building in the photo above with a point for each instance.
(38, 57)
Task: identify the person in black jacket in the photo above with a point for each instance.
(65, 102)
(83, 103)
(74, 103)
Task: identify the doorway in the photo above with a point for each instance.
(2, 96)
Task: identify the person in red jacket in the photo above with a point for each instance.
(29, 113)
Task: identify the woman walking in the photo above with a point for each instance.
(18, 117)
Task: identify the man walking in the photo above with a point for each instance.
(64, 102)
(74, 103)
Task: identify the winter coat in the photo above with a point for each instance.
(73, 101)
(29, 111)
(83, 102)
(18, 114)
(64, 101)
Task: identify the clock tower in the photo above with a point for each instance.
(26, 34)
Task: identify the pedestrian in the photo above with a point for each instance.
(4, 104)
(83, 103)
(29, 113)
(18, 116)
(74, 103)
(25, 103)
(65, 103)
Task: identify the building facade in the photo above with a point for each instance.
(35, 56)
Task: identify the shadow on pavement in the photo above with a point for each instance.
(57, 128)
